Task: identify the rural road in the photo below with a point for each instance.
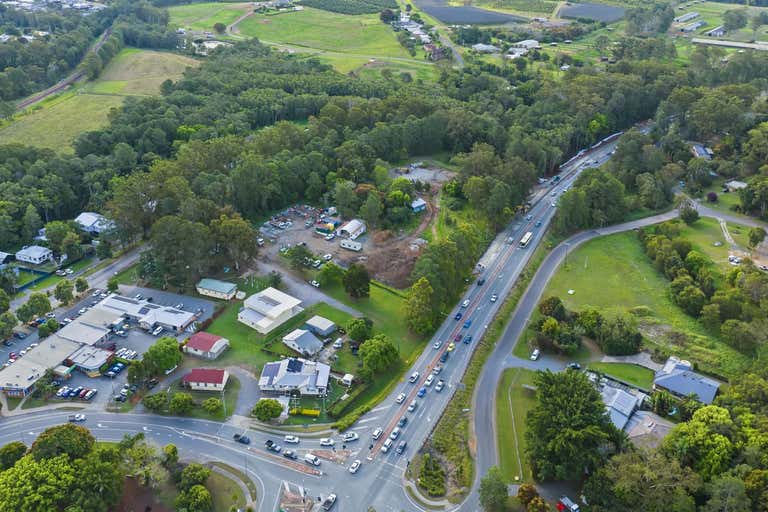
(66, 82)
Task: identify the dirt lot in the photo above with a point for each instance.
(389, 256)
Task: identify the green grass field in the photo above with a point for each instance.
(513, 402)
(529, 8)
(630, 373)
(56, 122)
(204, 16)
(225, 493)
(613, 272)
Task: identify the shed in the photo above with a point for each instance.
(303, 342)
(418, 205)
(320, 325)
(347, 379)
(353, 229)
(217, 289)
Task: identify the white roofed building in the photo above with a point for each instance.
(353, 229)
(295, 375)
(94, 223)
(269, 308)
(34, 254)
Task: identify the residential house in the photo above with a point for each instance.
(34, 254)
(217, 289)
(485, 48)
(94, 223)
(620, 404)
(527, 44)
(206, 379)
(269, 308)
(295, 376)
(148, 314)
(320, 325)
(303, 342)
(206, 345)
(677, 377)
(735, 185)
(701, 151)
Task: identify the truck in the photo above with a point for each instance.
(329, 502)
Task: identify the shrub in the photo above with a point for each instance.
(432, 476)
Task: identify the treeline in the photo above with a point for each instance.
(351, 6)
(732, 305)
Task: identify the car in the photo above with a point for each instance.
(413, 405)
(96, 293)
(422, 391)
(291, 439)
(157, 331)
(437, 369)
(314, 283)
(77, 418)
(377, 433)
(82, 394)
(402, 422)
(444, 357)
(330, 236)
(327, 257)
(50, 314)
(8, 343)
(494, 297)
(91, 394)
(110, 374)
(152, 383)
(386, 446)
(13, 355)
(242, 438)
(66, 320)
(430, 380)
(457, 338)
(465, 303)
(467, 339)
(290, 454)
(400, 398)
(327, 441)
(119, 398)
(62, 391)
(535, 354)
(553, 205)
(338, 343)
(528, 217)
(414, 377)
(272, 446)
(468, 323)
(401, 447)
(355, 466)
(481, 281)
(19, 335)
(457, 316)
(69, 271)
(436, 345)
(395, 433)
(538, 223)
(138, 296)
(350, 436)
(82, 311)
(574, 366)
(440, 385)
(451, 346)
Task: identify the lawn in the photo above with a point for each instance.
(230, 399)
(322, 30)
(630, 373)
(513, 402)
(225, 493)
(204, 16)
(706, 232)
(140, 72)
(613, 272)
(129, 275)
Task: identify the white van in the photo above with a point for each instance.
(386, 446)
(311, 459)
(414, 377)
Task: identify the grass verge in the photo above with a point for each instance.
(513, 401)
(241, 475)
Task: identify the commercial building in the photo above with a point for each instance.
(269, 308)
(206, 379)
(353, 229)
(89, 359)
(303, 342)
(206, 345)
(34, 254)
(94, 223)
(92, 327)
(295, 375)
(217, 289)
(320, 325)
(147, 314)
(677, 377)
(19, 379)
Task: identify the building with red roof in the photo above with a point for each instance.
(206, 379)
(206, 345)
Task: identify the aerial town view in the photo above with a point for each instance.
(383, 256)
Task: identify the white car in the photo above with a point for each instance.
(377, 433)
(430, 380)
(327, 257)
(350, 436)
(386, 446)
(535, 354)
(494, 297)
(436, 345)
(465, 303)
(315, 283)
(355, 466)
(400, 398)
(291, 439)
(79, 417)
(327, 441)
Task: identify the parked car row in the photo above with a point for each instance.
(126, 353)
(13, 356)
(115, 370)
(80, 392)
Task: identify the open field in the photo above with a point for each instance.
(55, 123)
(204, 16)
(225, 493)
(513, 402)
(597, 12)
(613, 272)
(630, 373)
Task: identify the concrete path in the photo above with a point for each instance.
(641, 359)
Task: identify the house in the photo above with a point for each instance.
(206, 345)
(353, 229)
(295, 375)
(268, 309)
(216, 289)
(94, 223)
(734, 185)
(686, 17)
(701, 151)
(148, 315)
(527, 44)
(303, 342)
(206, 379)
(320, 325)
(34, 254)
(620, 404)
(485, 48)
(418, 205)
(5, 257)
(350, 245)
(677, 377)
(718, 31)
(90, 359)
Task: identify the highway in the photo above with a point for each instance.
(379, 483)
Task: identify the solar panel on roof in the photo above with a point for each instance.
(294, 365)
(144, 310)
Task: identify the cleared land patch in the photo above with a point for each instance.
(140, 72)
(204, 16)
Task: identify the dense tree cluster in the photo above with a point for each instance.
(649, 19)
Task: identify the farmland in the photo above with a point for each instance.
(465, 14)
(56, 122)
(204, 16)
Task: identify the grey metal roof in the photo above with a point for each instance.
(684, 383)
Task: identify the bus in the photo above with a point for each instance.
(526, 238)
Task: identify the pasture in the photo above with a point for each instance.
(597, 12)
(204, 16)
